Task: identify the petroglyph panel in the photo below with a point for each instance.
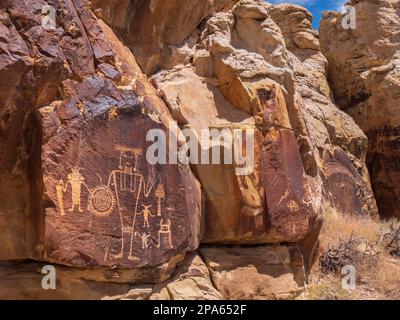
(106, 206)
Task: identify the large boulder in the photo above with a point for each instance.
(79, 189)
(256, 273)
(236, 210)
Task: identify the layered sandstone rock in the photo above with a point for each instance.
(166, 27)
(23, 280)
(192, 281)
(89, 197)
(364, 70)
(278, 87)
(265, 272)
(78, 190)
(330, 141)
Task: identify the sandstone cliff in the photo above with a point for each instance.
(364, 71)
(77, 102)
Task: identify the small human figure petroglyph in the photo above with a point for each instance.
(145, 239)
(146, 214)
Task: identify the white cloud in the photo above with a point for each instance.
(340, 5)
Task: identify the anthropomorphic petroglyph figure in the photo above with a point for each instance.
(76, 180)
(144, 238)
(60, 196)
(130, 185)
(165, 232)
(127, 168)
(128, 165)
(146, 215)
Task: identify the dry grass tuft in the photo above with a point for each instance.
(338, 227)
(372, 247)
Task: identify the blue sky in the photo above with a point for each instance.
(315, 6)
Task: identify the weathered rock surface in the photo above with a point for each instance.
(191, 282)
(76, 187)
(262, 272)
(266, 272)
(330, 141)
(166, 27)
(278, 87)
(23, 280)
(364, 71)
(90, 197)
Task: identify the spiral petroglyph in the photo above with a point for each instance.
(101, 202)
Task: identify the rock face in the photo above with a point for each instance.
(305, 146)
(91, 198)
(79, 96)
(267, 272)
(364, 70)
(111, 208)
(191, 282)
(330, 142)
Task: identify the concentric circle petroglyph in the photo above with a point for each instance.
(101, 201)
